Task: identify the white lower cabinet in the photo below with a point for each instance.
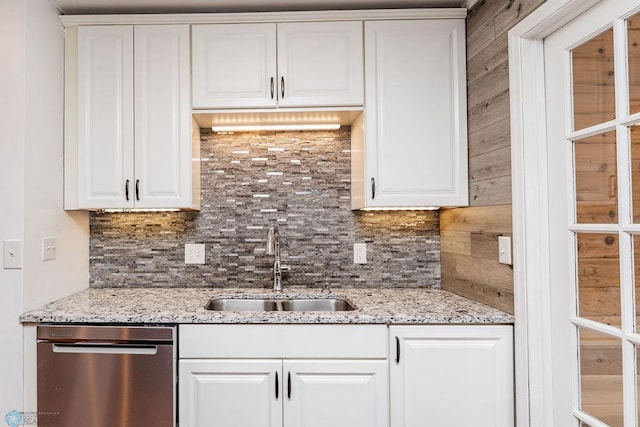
(336, 393)
(283, 375)
(230, 393)
(452, 376)
(346, 376)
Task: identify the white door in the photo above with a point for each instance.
(415, 122)
(320, 64)
(234, 66)
(230, 393)
(105, 117)
(451, 376)
(592, 77)
(336, 393)
(162, 117)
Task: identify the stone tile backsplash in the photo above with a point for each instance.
(297, 180)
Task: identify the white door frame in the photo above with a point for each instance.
(534, 399)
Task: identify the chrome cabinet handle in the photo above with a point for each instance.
(397, 350)
(282, 87)
(373, 188)
(126, 190)
(137, 190)
(277, 386)
(272, 87)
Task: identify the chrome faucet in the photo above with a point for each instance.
(273, 248)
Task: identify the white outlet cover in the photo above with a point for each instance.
(359, 253)
(504, 250)
(194, 253)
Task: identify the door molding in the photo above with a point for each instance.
(530, 205)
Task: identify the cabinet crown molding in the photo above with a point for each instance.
(254, 17)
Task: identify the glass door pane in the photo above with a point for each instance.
(596, 179)
(593, 81)
(633, 43)
(634, 135)
(599, 278)
(601, 376)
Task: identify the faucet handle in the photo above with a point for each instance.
(325, 289)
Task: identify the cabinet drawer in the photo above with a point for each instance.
(283, 341)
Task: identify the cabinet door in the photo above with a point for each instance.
(320, 64)
(335, 393)
(230, 393)
(415, 135)
(162, 117)
(105, 117)
(451, 376)
(234, 66)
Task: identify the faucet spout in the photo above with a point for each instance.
(273, 248)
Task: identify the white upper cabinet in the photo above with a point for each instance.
(411, 150)
(105, 117)
(234, 66)
(163, 145)
(312, 64)
(134, 146)
(320, 64)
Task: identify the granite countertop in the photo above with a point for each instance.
(186, 305)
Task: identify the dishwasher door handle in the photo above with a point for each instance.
(104, 349)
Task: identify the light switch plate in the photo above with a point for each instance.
(12, 254)
(504, 250)
(359, 253)
(49, 245)
(194, 253)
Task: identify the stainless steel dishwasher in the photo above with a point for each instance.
(106, 376)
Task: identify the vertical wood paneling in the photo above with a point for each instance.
(469, 236)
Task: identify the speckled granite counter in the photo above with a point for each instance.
(180, 305)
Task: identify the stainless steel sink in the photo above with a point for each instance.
(288, 304)
(317, 304)
(234, 304)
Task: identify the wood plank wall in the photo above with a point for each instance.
(469, 236)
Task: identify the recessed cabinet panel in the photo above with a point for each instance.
(234, 66)
(230, 393)
(336, 393)
(455, 376)
(415, 125)
(163, 119)
(105, 116)
(320, 64)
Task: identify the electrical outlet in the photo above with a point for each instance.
(194, 253)
(13, 254)
(49, 248)
(359, 253)
(504, 250)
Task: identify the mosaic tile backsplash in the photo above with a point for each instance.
(299, 181)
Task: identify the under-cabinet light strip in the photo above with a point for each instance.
(275, 127)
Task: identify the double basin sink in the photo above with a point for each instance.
(283, 304)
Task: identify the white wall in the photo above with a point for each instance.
(43, 183)
(31, 84)
(12, 143)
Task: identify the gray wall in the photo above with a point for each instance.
(297, 180)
